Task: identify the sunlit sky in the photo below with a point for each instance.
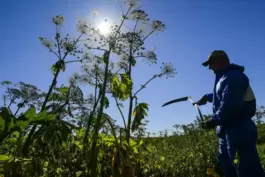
(194, 29)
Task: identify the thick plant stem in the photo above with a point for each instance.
(95, 137)
(131, 94)
(89, 122)
(23, 102)
(123, 118)
(93, 154)
(26, 145)
(12, 100)
(131, 100)
(129, 118)
(54, 81)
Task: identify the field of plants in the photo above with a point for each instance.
(65, 131)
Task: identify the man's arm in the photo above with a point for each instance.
(234, 86)
(206, 98)
(209, 97)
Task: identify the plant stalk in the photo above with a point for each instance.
(54, 81)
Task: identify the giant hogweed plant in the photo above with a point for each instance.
(53, 128)
(115, 78)
(61, 47)
(43, 124)
(43, 109)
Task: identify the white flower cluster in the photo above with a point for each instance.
(58, 20)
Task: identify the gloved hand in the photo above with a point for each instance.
(202, 101)
(208, 124)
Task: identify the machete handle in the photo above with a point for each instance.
(197, 107)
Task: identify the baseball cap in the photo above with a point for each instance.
(215, 54)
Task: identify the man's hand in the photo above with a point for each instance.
(202, 101)
(208, 124)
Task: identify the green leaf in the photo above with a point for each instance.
(162, 158)
(30, 113)
(46, 164)
(22, 124)
(7, 120)
(59, 171)
(5, 114)
(2, 124)
(79, 145)
(45, 116)
(58, 66)
(64, 90)
(6, 83)
(105, 57)
(8, 165)
(121, 88)
(236, 161)
(4, 157)
(140, 111)
(106, 102)
(132, 59)
(80, 133)
(79, 173)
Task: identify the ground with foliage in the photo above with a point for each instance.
(65, 132)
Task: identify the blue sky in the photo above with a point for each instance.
(194, 29)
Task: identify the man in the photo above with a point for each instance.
(234, 105)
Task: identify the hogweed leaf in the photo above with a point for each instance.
(140, 111)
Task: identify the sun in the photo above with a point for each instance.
(104, 28)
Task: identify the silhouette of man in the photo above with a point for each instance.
(234, 105)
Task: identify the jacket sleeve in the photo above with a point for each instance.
(210, 97)
(233, 87)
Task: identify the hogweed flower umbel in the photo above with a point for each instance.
(74, 79)
(58, 20)
(151, 56)
(45, 42)
(123, 65)
(139, 15)
(158, 25)
(132, 3)
(82, 26)
(168, 70)
(85, 79)
(91, 99)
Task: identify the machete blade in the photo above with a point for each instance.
(185, 99)
(176, 100)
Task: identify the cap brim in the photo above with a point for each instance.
(206, 63)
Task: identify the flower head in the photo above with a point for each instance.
(86, 67)
(123, 65)
(85, 79)
(151, 56)
(139, 15)
(97, 60)
(74, 79)
(125, 59)
(69, 46)
(82, 26)
(76, 94)
(168, 70)
(91, 99)
(132, 2)
(58, 20)
(45, 42)
(158, 25)
(86, 56)
(95, 12)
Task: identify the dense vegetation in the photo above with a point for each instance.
(66, 132)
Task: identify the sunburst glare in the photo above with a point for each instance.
(104, 28)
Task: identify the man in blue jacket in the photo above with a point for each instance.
(234, 105)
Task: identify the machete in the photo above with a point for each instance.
(185, 99)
